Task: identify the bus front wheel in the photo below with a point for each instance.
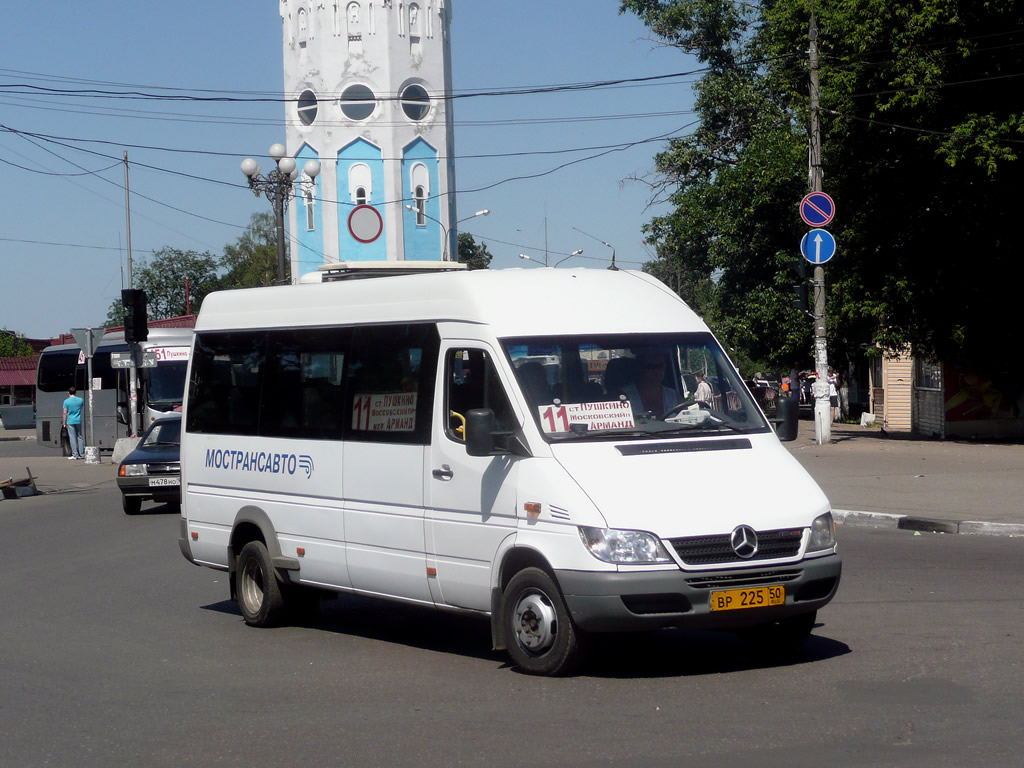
(540, 635)
(259, 595)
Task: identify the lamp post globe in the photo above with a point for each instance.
(277, 151)
(250, 167)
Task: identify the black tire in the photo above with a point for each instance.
(260, 598)
(132, 504)
(780, 638)
(539, 632)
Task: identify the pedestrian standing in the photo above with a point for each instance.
(833, 395)
(73, 421)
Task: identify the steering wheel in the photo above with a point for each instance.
(679, 407)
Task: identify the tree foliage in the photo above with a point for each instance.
(13, 345)
(921, 138)
(475, 255)
(252, 261)
(163, 278)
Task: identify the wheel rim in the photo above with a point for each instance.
(252, 587)
(534, 623)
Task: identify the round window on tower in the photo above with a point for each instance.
(415, 102)
(307, 107)
(358, 102)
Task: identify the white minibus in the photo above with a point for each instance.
(566, 452)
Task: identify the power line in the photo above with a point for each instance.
(920, 130)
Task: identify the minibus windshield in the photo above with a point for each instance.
(631, 385)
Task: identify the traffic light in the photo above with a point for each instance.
(800, 292)
(136, 319)
(800, 297)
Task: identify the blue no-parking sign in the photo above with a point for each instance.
(817, 209)
(818, 246)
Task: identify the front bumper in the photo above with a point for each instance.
(647, 600)
(139, 487)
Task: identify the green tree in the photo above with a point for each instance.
(163, 278)
(252, 261)
(920, 153)
(476, 256)
(14, 345)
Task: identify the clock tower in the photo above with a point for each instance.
(367, 86)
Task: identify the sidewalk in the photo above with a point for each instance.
(52, 473)
(917, 484)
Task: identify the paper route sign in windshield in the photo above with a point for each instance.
(613, 414)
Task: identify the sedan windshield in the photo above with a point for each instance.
(631, 385)
(164, 432)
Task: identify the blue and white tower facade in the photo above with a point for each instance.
(366, 83)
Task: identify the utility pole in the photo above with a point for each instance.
(822, 411)
(133, 373)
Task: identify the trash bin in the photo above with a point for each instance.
(787, 417)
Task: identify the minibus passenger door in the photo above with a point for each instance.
(470, 499)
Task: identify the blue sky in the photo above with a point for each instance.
(62, 243)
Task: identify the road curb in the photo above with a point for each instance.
(925, 524)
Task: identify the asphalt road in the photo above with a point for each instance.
(115, 651)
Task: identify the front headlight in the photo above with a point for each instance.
(614, 546)
(823, 533)
(134, 470)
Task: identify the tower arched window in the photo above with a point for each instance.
(360, 183)
(420, 195)
(310, 211)
(302, 22)
(420, 183)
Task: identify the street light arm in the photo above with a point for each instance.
(444, 229)
(577, 252)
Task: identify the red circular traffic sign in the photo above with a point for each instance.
(365, 223)
(817, 209)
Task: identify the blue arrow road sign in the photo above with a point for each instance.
(817, 209)
(818, 246)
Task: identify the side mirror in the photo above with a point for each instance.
(787, 417)
(482, 439)
(480, 432)
(122, 415)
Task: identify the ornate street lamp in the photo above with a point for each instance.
(279, 186)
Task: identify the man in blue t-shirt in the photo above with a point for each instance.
(73, 421)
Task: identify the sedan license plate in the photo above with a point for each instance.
(753, 597)
(157, 481)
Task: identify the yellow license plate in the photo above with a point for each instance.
(754, 597)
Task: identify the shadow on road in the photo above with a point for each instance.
(666, 653)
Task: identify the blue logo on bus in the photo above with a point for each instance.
(263, 462)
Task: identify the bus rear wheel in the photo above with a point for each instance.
(260, 597)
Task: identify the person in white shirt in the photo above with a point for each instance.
(703, 393)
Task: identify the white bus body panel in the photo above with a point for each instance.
(431, 524)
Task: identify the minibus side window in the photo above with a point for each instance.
(471, 381)
(303, 385)
(224, 391)
(389, 384)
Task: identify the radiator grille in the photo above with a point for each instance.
(745, 579)
(709, 550)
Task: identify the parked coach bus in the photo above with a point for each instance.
(161, 389)
(523, 445)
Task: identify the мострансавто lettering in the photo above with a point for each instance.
(252, 461)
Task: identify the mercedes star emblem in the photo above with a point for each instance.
(744, 541)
